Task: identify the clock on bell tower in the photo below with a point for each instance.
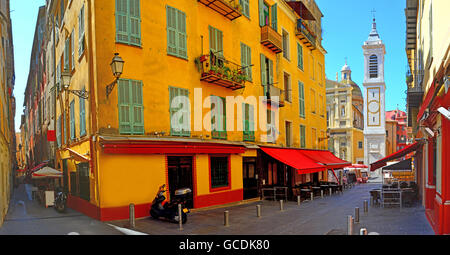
(374, 99)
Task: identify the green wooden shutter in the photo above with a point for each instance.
(135, 22)
(302, 137)
(137, 108)
(72, 47)
(301, 99)
(66, 54)
(261, 13)
(216, 41)
(270, 81)
(72, 120)
(249, 129)
(185, 123)
(299, 56)
(171, 31)
(246, 60)
(274, 17)
(58, 131)
(122, 21)
(124, 107)
(245, 7)
(219, 123)
(263, 73)
(82, 117)
(181, 33)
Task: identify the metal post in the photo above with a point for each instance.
(180, 217)
(363, 232)
(331, 191)
(321, 193)
(356, 214)
(371, 201)
(226, 219)
(132, 219)
(298, 200)
(366, 206)
(312, 196)
(281, 205)
(349, 225)
(258, 211)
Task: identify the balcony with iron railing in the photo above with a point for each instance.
(415, 91)
(215, 69)
(230, 9)
(305, 35)
(271, 39)
(274, 95)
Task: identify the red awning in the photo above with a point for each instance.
(356, 166)
(36, 168)
(327, 158)
(426, 101)
(170, 148)
(401, 153)
(294, 158)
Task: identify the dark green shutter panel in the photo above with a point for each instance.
(181, 33)
(82, 117)
(171, 31)
(270, 81)
(300, 56)
(274, 17)
(66, 54)
(135, 22)
(124, 107)
(301, 99)
(261, 13)
(138, 108)
(122, 21)
(58, 131)
(72, 119)
(263, 73)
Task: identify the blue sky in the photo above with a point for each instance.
(23, 15)
(346, 25)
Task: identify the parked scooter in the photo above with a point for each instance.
(60, 201)
(169, 210)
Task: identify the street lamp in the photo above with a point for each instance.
(117, 64)
(65, 78)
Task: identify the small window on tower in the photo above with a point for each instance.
(373, 66)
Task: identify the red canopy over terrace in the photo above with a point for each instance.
(401, 153)
(327, 158)
(294, 158)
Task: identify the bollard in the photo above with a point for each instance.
(371, 201)
(258, 211)
(132, 218)
(321, 193)
(180, 217)
(298, 200)
(356, 214)
(366, 206)
(331, 191)
(281, 205)
(363, 232)
(226, 218)
(312, 196)
(349, 225)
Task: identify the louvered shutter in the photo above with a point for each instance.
(122, 21)
(274, 17)
(270, 81)
(138, 108)
(135, 22)
(72, 120)
(301, 99)
(82, 116)
(124, 107)
(263, 73)
(171, 31)
(261, 13)
(181, 33)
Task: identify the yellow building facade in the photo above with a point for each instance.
(119, 141)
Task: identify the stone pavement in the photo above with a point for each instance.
(321, 216)
(27, 217)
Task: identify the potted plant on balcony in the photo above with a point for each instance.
(227, 74)
(213, 70)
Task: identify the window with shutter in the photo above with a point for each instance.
(72, 120)
(274, 21)
(81, 37)
(128, 22)
(299, 56)
(180, 126)
(131, 108)
(245, 7)
(302, 136)
(58, 132)
(301, 99)
(82, 116)
(216, 41)
(66, 54)
(218, 118)
(246, 60)
(176, 33)
(249, 126)
(72, 48)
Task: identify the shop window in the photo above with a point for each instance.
(219, 172)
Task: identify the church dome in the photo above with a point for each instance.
(345, 68)
(356, 92)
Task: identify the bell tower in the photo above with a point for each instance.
(374, 99)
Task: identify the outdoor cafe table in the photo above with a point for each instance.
(334, 187)
(316, 189)
(325, 188)
(305, 191)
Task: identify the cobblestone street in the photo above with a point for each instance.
(319, 217)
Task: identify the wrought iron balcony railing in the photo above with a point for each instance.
(215, 69)
(305, 35)
(231, 9)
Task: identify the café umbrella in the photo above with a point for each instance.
(46, 172)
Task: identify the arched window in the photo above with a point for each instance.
(373, 66)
